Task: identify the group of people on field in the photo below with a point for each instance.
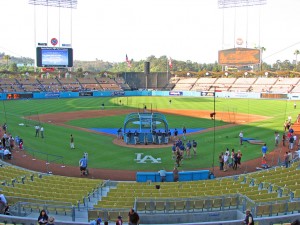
(230, 159)
(181, 150)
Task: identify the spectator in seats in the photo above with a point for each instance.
(249, 218)
(83, 165)
(7, 154)
(175, 174)
(72, 145)
(51, 221)
(37, 130)
(162, 174)
(42, 131)
(119, 221)
(133, 218)
(43, 217)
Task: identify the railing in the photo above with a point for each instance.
(49, 158)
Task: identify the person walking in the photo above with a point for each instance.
(72, 145)
(264, 150)
(249, 218)
(133, 218)
(83, 165)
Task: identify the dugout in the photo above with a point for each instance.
(144, 123)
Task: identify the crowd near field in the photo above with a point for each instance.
(104, 154)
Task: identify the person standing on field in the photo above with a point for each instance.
(37, 130)
(42, 131)
(241, 135)
(72, 145)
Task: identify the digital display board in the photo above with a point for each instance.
(54, 57)
(19, 96)
(239, 56)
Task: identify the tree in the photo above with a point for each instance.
(13, 67)
(296, 53)
(7, 58)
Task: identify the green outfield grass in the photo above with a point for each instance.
(104, 154)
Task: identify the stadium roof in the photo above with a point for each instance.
(55, 3)
(239, 3)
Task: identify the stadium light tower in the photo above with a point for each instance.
(239, 3)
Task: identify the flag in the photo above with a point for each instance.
(127, 61)
(170, 63)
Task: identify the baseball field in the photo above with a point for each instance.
(257, 118)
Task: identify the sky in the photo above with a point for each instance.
(181, 29)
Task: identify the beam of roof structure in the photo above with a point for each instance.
(55, 3)
(239, 3)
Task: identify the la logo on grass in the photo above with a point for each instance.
(146, 158)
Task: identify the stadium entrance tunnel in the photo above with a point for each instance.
(146, 128)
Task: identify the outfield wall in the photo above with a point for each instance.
(49, 95)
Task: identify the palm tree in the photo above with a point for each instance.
(6, 57)
(262, 50)
(297, 52)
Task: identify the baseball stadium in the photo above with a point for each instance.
(170, 147)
